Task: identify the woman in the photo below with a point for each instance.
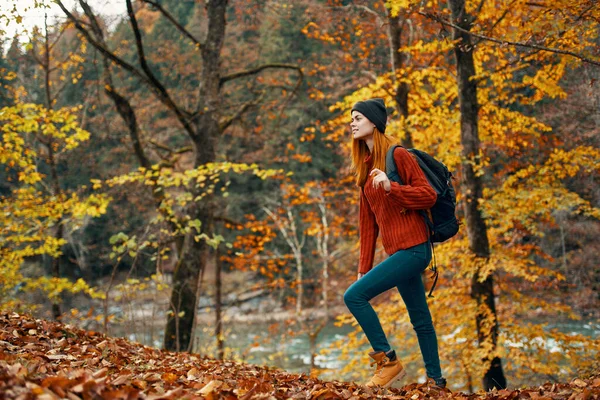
(390, 209)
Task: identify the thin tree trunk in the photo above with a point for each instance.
(56, 309)
(59, 235)
(323, 245)
(219, 320)
(325, 286)
(290, 234)
(481, 291)
(299, 284)
(398, 60)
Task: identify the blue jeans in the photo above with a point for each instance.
(403, 270)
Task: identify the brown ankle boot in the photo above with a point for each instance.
(387, 371)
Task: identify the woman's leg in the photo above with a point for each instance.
(399, 267)
(413, 294)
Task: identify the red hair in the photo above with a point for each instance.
(360, 151)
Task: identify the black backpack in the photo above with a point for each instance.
(443, 223)
(441, 219)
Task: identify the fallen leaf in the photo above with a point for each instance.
(29, 325)
(210, 386)
(121, 380)
(169, 377)
(151, 377)
(193, 373)
(100, 373)
(140, 384)
(56, 356)
(579, 383)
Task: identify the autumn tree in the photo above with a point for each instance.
(32, 209)
(55, 74)
(203, 123)
(482, 286)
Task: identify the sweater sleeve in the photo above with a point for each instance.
(416, 193)
(368, 231)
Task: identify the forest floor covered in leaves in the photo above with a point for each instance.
(47, 360)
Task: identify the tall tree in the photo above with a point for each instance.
(203, 125)
(482, 285)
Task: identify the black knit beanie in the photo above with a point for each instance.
(374, 110)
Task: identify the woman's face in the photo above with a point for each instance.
(361, 127)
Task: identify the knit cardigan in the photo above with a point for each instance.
(394, 213)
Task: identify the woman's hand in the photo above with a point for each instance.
(380, 179)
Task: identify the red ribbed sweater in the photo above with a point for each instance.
(394, 213)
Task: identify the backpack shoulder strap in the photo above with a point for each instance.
(391, 169)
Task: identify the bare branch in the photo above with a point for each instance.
(280, 226)
(163, 96)
(107, 53)
(294, 91)
(256, 70)
(123, 106)
(245, 107)
(510, 43)
(155, 83)
(168, 149)
(167, 15)
(93, 21)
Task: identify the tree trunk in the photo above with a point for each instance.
(219, 320)
(205, 135)
(299, 284)
(51, 160)
(323, 246)
(182, 307)
(56, 312)
(482, 292)
(398, 60)
(325, 287)
(59, 235)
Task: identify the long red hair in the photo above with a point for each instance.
(360, 151)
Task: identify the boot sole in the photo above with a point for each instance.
(399, 376)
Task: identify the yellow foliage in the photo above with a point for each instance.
(535, 193)
(29, 213)
(395, 6)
